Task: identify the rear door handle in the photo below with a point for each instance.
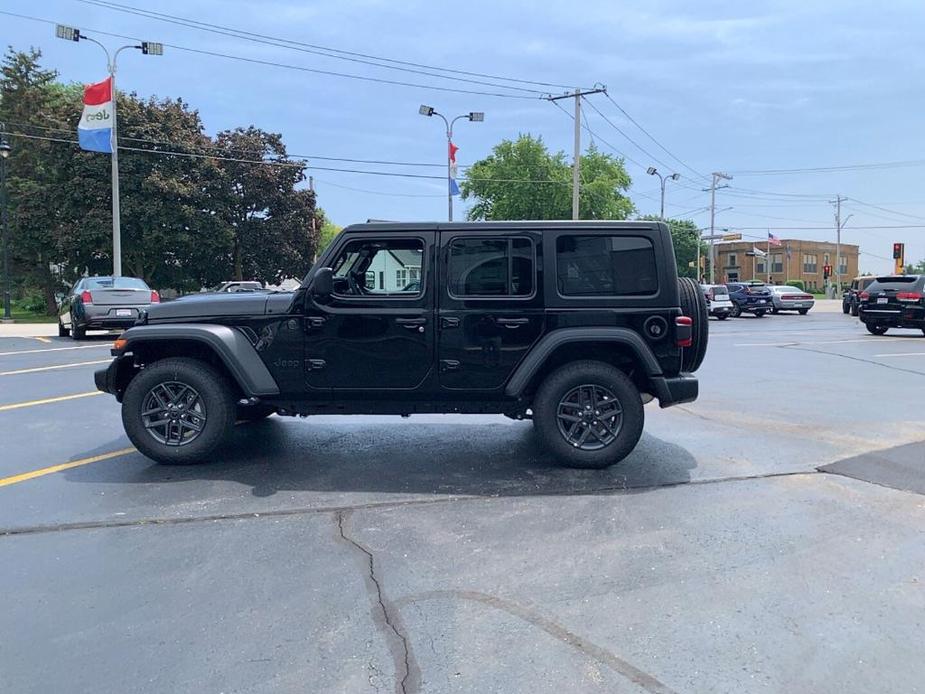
(411, 323)
(512, 322)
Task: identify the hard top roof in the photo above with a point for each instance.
(541, 225)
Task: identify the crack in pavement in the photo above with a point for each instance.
(859, 359)
(405, 664)
(623, 488)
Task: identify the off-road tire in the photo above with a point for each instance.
(694, 306)
(212, 388)
(254, 413)
(62, 331)
(559, 384)
(876, 329)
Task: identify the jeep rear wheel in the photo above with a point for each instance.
(178, 411)
(589, 414)
(694, 305)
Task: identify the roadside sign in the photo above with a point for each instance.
(732, 237)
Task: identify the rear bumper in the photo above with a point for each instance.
(675, 390)
(103, 317)
(893, 316)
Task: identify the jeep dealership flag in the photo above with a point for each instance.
(95, 128)
(454, 189)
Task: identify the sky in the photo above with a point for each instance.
(741, 88)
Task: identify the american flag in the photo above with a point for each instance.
(773, 240)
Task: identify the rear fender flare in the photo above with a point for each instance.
(231, 347)
(543, 349)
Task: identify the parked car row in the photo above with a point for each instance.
(735, 298)
(893, 301)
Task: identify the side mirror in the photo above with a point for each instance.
(323, 283)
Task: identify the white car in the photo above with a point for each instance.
(718, 302)
(785, 298)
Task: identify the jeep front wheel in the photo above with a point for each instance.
(178, 411)
(589, 414)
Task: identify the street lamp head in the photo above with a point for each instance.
(426, 110)
(651, 171)
(152, 48)
(675, 176)
(67, 33)
(5, 149)
(477, 116)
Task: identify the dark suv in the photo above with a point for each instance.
(749, 297)
(851, 298)
(572, 324)
(896, 301)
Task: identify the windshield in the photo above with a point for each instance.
(114, 283)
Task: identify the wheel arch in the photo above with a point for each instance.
(223, 347)
(619, 347)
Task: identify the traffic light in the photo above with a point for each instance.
(826, 271)
(898, 249)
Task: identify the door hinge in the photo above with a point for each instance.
(315, 364)
(449, 365)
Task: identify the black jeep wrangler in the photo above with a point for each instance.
(572, 324)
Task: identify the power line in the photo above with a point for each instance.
(379, 192)
(833, 169)
(651, 137)
(619, 130)
(884, 209)
(300, 68)
(339, 52)
(282, 43)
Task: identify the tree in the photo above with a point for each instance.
(329, 230)
(918, 269)
(684, 235)
(268, 221)
(521, 179)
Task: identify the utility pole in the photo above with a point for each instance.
(839, 225)
(576, 161)
(5, 150)
(713, 188)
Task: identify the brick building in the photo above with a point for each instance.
(793, 259)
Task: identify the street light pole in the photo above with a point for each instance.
(472, 116)
(148, 48)
(7, 308)
(716, 177)
(652, 171)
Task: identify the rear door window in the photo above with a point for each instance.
(490, 267)
(602, 265)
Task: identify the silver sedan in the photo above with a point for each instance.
(103, 303)
(785, 298)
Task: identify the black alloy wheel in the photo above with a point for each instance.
(173, 413)
(589, 417)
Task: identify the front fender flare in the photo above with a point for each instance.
(543, 349)
(231, 346)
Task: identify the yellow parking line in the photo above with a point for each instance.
(47, 401)
(49, 368)
(42, 339)
(6, 481)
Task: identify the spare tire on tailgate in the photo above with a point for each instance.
(694, 305)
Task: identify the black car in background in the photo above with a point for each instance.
(749, 297)
(103, 303)
(852, 294)
(895, 301)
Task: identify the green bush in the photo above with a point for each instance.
(797, 283)
(32, 303)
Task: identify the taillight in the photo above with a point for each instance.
(908, 296)
(684, 330)
(86, 297)
(155, 297)
(865, 296)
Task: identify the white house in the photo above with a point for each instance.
(393, 270)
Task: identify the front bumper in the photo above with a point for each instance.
(675, 390)
(105, 379)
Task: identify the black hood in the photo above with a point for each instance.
(205, 306)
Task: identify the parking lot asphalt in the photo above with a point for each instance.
(767, 537)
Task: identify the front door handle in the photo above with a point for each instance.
(512, 322)
(449, 322)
